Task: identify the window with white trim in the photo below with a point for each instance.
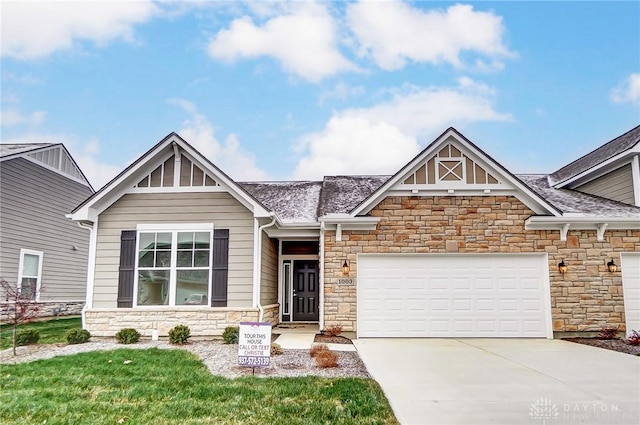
(173, 266)
(30, 273)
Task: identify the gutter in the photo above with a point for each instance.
(257, 269)
(321, 276)
(90, 269)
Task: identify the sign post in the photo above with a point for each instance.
(254, 344)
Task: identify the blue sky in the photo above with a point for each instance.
(297, 90)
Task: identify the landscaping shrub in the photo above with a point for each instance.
(316, 349)
(128, 336)
(27, 337)
(634, 338)
(77, 336)
(231, 334)
(332, 331)
(608, 333)
(179, 334)
(326, 358)
(276, 349)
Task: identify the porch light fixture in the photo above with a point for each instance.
(562, 267)
(612, 266)
(345, 267)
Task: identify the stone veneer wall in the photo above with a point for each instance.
(48, 309)
(587, 298)
(105, 322)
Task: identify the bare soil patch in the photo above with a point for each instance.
(325, 339)
(610, 344)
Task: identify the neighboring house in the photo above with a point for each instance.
(452, 245)
(41, 251)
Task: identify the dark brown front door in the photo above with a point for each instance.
(305, 291)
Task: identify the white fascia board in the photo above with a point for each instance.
(601, 169)
(350, 223)
(293, 234)
(581, 223)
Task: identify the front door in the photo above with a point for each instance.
(305, 291)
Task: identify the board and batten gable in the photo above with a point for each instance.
(616, 185)
(219, 208)
(33, 203)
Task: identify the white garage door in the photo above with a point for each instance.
(630, 263)
(459, 295)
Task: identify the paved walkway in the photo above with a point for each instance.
(504, 381)
(303, 341)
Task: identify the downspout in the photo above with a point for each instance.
(91, 266)
(321, 276)
(258, 269)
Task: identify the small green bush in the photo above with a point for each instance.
(231, 334)
(78, 336)
(128, 336)
(27, 337)
(179, 334)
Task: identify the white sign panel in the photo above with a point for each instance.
(254, 344)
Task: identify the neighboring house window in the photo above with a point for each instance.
(174, 266)
(30, 274)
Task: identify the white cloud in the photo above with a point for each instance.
(394, 32)
(628, 91)
(12, 118)
(86, 154)
(303, 40)
(341, 91)
(35, 29)
(355, 145)
(382, 138)
(229, 155)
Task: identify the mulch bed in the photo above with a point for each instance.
(324, 339)
(610, 344)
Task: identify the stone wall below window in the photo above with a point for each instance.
(48, 309)
(106, 322)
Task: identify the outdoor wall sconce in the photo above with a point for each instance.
(345, 267)
(612, 266)
(562, 267)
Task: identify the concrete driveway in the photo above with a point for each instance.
(504, 381)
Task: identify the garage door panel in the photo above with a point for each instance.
(454, 296)
(630, 265)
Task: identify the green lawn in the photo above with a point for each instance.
(173, 387)
(51, 331)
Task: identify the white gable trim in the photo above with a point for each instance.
(124, 182)
(512, 185)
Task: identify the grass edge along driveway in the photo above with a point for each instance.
(156, 386)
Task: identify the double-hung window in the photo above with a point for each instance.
(30, 273)
(174, 264)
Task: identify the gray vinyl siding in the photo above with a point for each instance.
(33, 204)
(221, 209)
(269, 282)
(617, 185)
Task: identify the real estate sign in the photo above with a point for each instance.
(254, 344)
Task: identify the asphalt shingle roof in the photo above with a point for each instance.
(306, 201)
(7, 149)
(573, 201)
(598, 156)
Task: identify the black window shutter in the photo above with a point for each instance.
(220, 267)
(127, 268)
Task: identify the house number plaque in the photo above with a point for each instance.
(345, 281)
